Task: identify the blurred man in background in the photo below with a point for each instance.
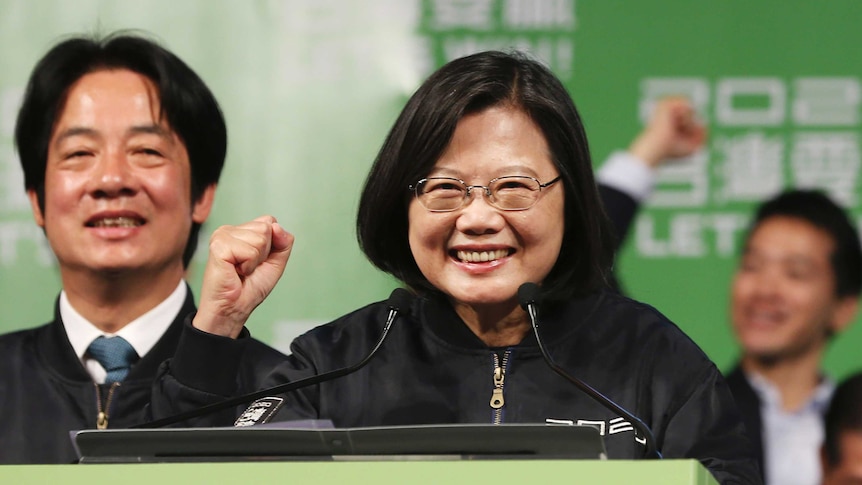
(797, 285)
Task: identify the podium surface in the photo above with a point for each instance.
(605, 472)
(259, 443)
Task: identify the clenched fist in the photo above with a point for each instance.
(673, 131)
(245, 262)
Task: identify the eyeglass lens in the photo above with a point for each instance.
(507, 193)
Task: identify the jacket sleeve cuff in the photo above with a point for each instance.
(208, 362)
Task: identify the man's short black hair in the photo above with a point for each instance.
(819, 210)
(186, 103)
(422, 132)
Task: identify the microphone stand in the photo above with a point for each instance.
(528, 302)
(399, 302)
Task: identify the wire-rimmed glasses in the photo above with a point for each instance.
(508, 193)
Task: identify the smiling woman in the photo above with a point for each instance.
(478, 255)
(483, 184)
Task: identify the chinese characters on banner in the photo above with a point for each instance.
(766, 133)
(544, 28)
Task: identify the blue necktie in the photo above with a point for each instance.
(115, 354)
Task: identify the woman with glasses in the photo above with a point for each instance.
(483, 184)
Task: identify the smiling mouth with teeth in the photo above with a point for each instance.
(481, 256)
(115, 222)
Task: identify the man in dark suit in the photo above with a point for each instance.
(122, 145)
(797, 286)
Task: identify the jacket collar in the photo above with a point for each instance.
(56, 351)
(556, 320)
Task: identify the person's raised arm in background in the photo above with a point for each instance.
(627, 178)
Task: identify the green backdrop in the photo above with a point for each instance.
(310, 88)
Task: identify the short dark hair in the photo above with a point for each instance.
(186, 103)
(844, 414)
(424, 129)
(819, 210)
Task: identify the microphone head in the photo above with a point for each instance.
(528, 294)
(400, 300)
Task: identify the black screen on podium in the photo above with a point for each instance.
(258, 443)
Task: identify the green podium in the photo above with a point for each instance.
(447, 454)
(603, 472)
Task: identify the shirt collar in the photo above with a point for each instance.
(142, 333)
(771, 396)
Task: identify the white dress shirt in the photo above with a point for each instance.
(791, 440)
(142, 333)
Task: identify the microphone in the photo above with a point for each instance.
(399, 304)
(528, 295)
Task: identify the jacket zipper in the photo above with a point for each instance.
(102, 416)
(499, 378)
